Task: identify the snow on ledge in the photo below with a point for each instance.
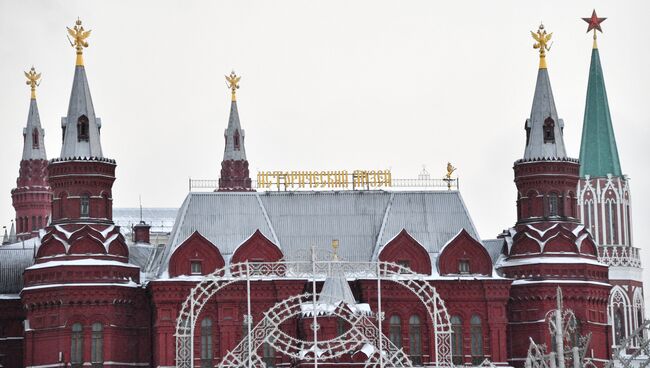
(80, 262)
(529, 282)
(550, 260)
(130, 284)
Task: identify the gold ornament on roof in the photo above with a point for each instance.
(233, 83)
(450, 170)
(33, 80)
(542, 38)
(78, 41)
(335, 248)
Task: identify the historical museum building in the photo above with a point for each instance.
(347, 276)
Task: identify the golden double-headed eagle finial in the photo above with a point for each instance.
(33, 80)
(233, 83)
(78, 41)
(542, 38)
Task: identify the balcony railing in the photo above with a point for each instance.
(622, 256)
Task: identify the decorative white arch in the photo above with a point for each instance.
(618, 299)
(363, 335)
(247, 272)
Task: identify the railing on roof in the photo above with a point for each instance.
(414, 183)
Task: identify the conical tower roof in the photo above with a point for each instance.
(34, 135)
(234, 135)
(598, 151)
(544, 127)
(81, 128)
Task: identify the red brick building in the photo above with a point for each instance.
(80, 294)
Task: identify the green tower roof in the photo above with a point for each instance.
(598, 152)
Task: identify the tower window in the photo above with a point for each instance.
(35, 143)
(76, 349)
(85, 206)
(236, 140)
(97, 345)
(549, 130)
(82, 129)
(553, 207)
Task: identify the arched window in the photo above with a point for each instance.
(549, 130)
(415, 339)
(82, 129)
(395, 331)
(35, 143)
(553, 204)
(619, 329)
(610, 218)
(19, 222)
(33, 223)
(589, 223)
(107, 206)
(77, 345)
(97, 345)
(85, 206)
(476, 330)
(457, 340)
(206, 342)
(268, 354)
(40, 222)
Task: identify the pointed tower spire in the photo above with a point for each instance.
(234, 167)
(598, 151)
(81, 128)
(12, 233)
(543, 128)
(33, 133)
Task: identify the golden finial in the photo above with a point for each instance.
(335, 247)
(78, 41)
(542, 39)
(233, 83)
(450, 170)
(33, 80)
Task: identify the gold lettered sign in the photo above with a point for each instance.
(358, 179)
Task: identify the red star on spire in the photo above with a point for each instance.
(594, 22)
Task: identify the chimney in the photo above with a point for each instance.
(141, 232)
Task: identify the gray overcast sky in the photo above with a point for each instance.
(325, 85)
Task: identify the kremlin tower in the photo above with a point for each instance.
(604, 202)
(82, 288)
(32, 196)
(548, 247)
(234, 167)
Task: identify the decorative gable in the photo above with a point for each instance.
(257, 248)
(195, 256)
(464, 255)
(406, 251)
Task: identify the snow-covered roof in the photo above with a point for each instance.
(362, 221)
(160, 219)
